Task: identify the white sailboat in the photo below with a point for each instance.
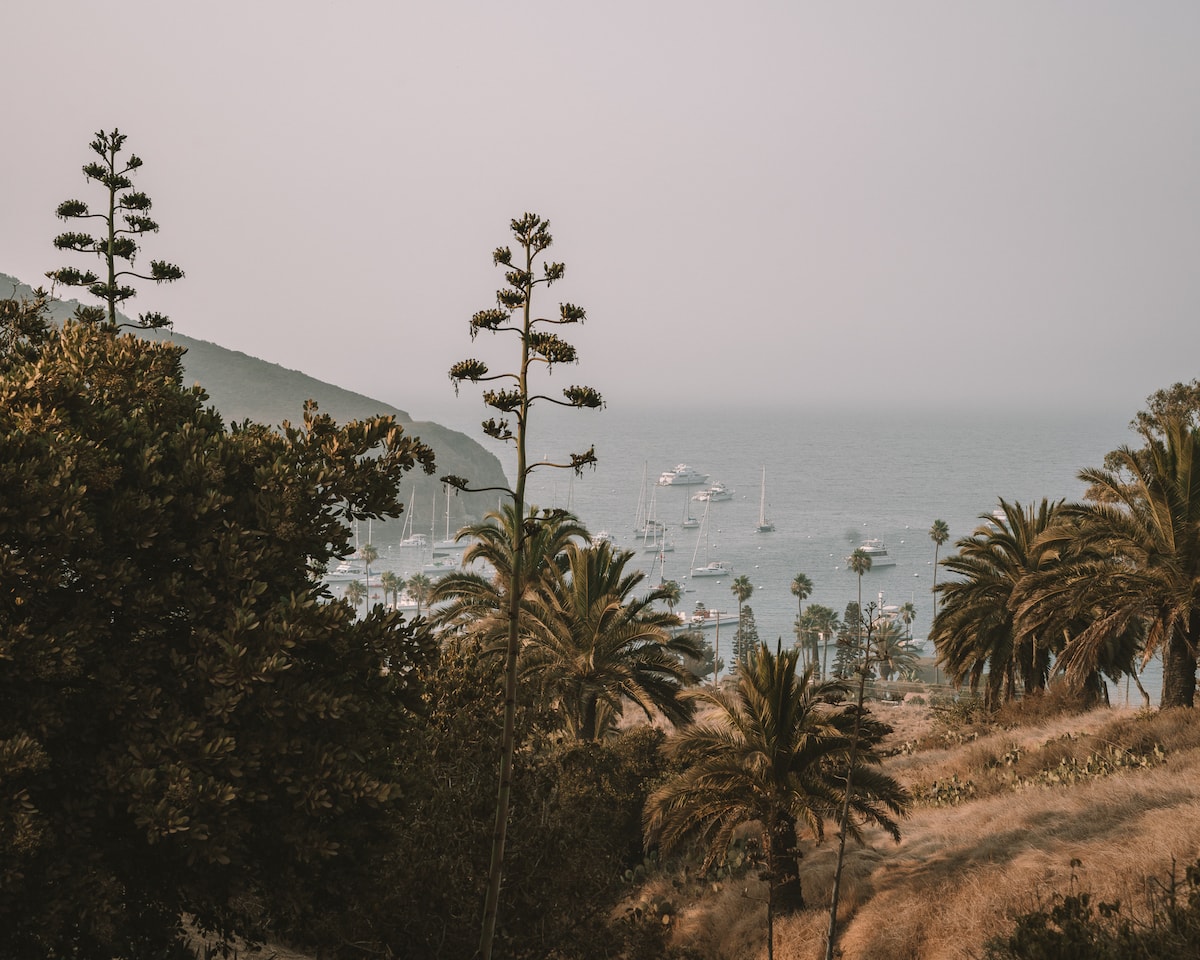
(449, 544)
(711, 568)
(764, 525)
(643, 521)
(688, 522)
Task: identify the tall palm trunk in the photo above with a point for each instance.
(785, 873)
(1179, 671)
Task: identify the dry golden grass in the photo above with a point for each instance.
(961, 872)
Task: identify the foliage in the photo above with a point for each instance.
(187, 722)
(592, 646)
(476, 604)
(742, 588)
(125, 220)
(849, 645)
(816, 622)
(1131, 568)
(745, 638)
(564, 875)
(1071, 925)
(977, 631)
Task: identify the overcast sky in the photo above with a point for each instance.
(887, 203)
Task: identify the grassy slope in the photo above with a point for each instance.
(962, 870)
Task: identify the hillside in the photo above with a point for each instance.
(1007, 815)
(244, 387)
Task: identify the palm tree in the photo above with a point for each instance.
(1132, 557)
(976, 630)
(671, 593)
(477, 604)
(802, 589)
(392, 584)
(771, 749)
(592, 646)
(894, 656)
(355, 593)
(369, 556)
(939, 533)
(741, 588)
(908, 613)
(860, 562)
(420, 588)
(817, 622)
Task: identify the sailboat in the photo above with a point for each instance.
(450, 544)
(711, 568)
(407, 537)
(688, 522)
(656, 541)
(764, 525)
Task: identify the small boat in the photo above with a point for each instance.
(604, 537)
(659, 545)
(714, 568)
(711, 568)
(439, 567)
(344, 572)
(877, 551)
(682, 476)
(717, 492)
(703, 618)
(418, 540)
(764, 525)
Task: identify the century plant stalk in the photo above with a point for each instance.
(844, 817)
(533, 235)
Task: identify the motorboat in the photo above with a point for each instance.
(877, 551)
(714, 568)
(717, 492)
(702, 618)
(437, 568)
(682, 476)
(344, 572)
(604, 537)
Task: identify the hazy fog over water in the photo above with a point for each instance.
(802, 204)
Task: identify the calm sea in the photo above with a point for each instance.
(832, 480)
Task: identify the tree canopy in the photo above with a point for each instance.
(189, 724)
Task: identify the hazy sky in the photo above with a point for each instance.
(880, 203)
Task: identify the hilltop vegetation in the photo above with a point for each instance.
(244, 387)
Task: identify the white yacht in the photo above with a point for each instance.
(714, 568)
(717, 492)
(344, 572)
(682, 476)
(877, 551)
(702, 618)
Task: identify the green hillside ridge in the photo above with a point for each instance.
(244, 387)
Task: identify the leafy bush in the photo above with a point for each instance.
(1071, 926)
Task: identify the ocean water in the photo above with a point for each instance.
(832, 480)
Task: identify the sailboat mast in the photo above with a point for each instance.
(703, 533)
